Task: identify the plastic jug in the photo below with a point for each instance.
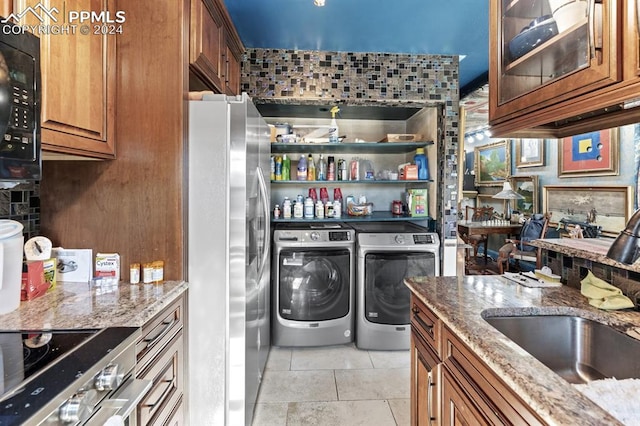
(421, 161)
(11, 247)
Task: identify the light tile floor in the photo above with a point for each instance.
(334, 385)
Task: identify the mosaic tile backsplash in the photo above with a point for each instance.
(22, 204)
(363, 78)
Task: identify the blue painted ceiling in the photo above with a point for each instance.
(438, 27)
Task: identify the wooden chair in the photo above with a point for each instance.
(512, 250)
(477, 214)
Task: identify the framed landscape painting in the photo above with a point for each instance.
(492, 163)
(607, 206)
(589, 154)
(527, 186)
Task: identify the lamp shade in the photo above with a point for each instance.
(508, 193)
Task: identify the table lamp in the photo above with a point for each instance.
(507, 194)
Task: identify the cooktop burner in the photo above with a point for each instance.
(36, 367)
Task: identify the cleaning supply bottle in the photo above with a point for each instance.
(302, 168)
(421, 161)
(333, 127)
(311, 168)
(286, 167)
(321, 170)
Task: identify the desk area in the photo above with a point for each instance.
(467, 228)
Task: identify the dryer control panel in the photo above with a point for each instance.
(339, 236)
(423, 239)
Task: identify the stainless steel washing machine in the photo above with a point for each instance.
(313, 284)
(389, 252)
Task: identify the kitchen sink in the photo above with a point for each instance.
(578, 349)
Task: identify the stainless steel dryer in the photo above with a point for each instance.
(313, 284)
(389, 252)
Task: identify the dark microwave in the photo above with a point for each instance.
(19, 104)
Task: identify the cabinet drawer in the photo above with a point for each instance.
(498, 402)
(426, 324)
(167, 375)
(158, 332)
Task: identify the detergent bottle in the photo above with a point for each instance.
(421, 161)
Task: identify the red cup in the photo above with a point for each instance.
(324, 195)
(313, 194)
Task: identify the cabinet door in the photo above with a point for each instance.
(232, 75)
(458, 409)
(425, 379)
(206, 51)
(78, 82)
(546, 51)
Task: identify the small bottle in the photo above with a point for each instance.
(321, 170)
(278, 168)
(319, 209)
(273, 168)
(342, 170)
(276, 212)
(311, 168)
(298, 210)
(328, 209)
(134, 273)
(147, 273)
(302, 168)
(331, 168)
(337, 208)
(286, 167)
(286, 207)
(308, 208)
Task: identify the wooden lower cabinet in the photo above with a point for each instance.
(450, 385)
(160, 358)
(458, 408)
(425, 384)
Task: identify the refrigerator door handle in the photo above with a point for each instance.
(267, 234)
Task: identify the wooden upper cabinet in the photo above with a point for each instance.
(215, 48)
(78, 81)
(561, 67)
(206, 51)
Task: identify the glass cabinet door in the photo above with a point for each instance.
(551, 49)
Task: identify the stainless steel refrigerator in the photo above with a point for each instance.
(228, 259)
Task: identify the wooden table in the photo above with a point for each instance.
(467, 228)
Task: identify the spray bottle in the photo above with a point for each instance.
(333, 128)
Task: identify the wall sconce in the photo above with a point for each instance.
(318, 3)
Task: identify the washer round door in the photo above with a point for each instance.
(387, 298)
(314, 285)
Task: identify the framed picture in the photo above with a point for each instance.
(606, 206)
(527, 186)
(529, 152)
(486, 200)
(492, 163)
(589, 154)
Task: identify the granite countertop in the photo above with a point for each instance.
(594, 249)
(77, 306)
(461, 303)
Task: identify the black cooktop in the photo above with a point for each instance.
(38, 366)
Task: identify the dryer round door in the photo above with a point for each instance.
(387, 298)
(314, 285)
